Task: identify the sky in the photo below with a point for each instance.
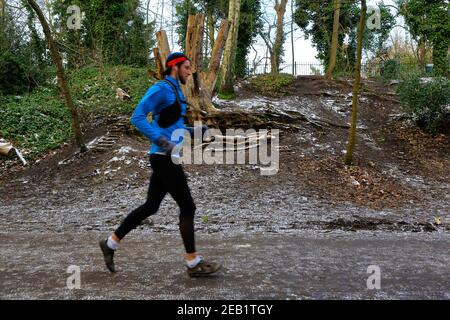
(162, 11)
(304, 50)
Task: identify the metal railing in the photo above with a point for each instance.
(368, 70)
(297, 69)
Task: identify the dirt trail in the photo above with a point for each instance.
(306, 266)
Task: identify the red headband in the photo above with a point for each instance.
(175, 61)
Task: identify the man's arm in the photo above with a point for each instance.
(149, 103)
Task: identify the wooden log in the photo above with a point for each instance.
(159, 64)
(199, 88)
(197, 44)
(196, 57)
(194, 41)
(216, 56)
(163, 46)
(210, 78)
(189, 39)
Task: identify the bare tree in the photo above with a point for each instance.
(257, 60)
(280, 8)
(56, 57)
(356, 85)
(275, 47)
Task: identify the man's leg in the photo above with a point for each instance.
(156, 193)
(176, 184)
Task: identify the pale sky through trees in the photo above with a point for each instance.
(304, 50)
(162, 11)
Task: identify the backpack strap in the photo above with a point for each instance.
(174, 89)
(169, 115)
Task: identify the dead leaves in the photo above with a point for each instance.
(363, 185)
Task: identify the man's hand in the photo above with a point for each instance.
(165, 144)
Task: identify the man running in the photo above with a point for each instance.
(165, 100)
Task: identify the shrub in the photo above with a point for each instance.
(271, 85)
(390, 69)
(13, 79)
(428, 101)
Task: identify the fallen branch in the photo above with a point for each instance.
(247, 140)
(337, 125)
(20, 157)
(371, 93)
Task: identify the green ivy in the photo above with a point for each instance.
(35, 122)
(428, 21)
(39, 121)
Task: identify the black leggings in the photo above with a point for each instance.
(167, 177)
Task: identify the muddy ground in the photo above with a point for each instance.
(395, 197)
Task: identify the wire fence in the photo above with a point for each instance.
(297, 69)
(395, 70)
(368, 70)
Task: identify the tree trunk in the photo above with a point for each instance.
(334, 39)
(159, 68)
(3, 8)
(421, 53)
(61, 75)
(273, 62)
(163, 45)
(194, 47)
(209, 79)
(210, 25)
(206, 38)
(292, 37)
(266, 58)
(227, 72)
(280, 8)
(356, 85)
(199, 88)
